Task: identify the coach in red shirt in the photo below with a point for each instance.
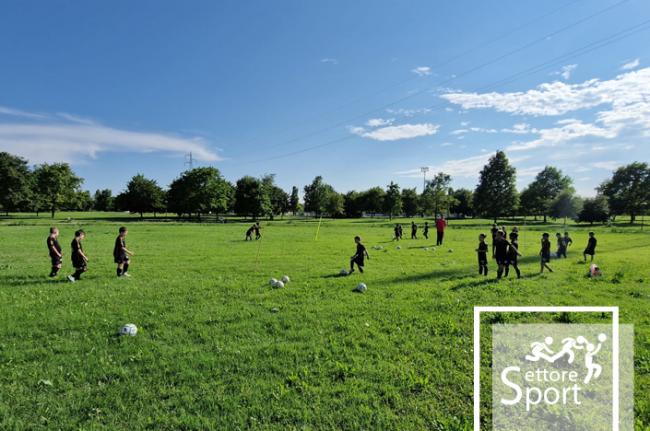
(441, 224)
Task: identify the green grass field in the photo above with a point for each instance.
(218, 348)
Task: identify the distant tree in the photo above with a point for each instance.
(496, 192)
(141, 195)
(316, 196)
(56, 186)
(410, 202)
(529, 202)
(372, 200)
(462, 204)
(435, 198)
(334, 204)
(594, 210)
(565, 205)
(83, 201)
(278, 198)
(251, 197)
(539, 194)
(199, 191)
(352, 206)
(393, 200)
(103, 200)
(294, 200)
(15, 183)
(628, 191)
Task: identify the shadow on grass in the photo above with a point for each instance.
(24, 280)
(487, 281)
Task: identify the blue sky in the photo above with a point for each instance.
(362, 93)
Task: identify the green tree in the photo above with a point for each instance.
(372, 200)
(547, 185)
(56, 186)
(15, 183)
(251, 197)
(565, 205)
(316, 195)
(278, 198)
(141, 195)
(462, 204)
(628, 191)
(83, 201)
(393, 200)
(199, 191)
(294, 200)
(334, 204)
(104, 200)
(496, 192)
(595, 210)
(435, 198)
(410, 202)
(352, 204)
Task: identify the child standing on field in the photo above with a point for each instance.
(513, 252)
(591, 247)
(426, 230)
(54, 248)
(500, 247)
(358, 256)
(249, 233)
(396, 231)
(545, 253)
(258, 235)
(567, 240)
(561, 246)
(414, 230)
(482, 255)
(79, 258)
(121, 254)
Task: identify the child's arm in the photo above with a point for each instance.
(516, 251)
(127, 251)
(55, 250)
(83, 256)
(366, 253)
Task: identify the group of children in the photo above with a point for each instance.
(441, 224)
(254, 228)
(121, 255)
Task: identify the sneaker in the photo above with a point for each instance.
(126, 274)
(71, 279)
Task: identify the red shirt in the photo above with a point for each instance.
(441, 224)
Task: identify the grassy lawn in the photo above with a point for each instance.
(218, 348)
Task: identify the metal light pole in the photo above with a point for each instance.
(424, 170)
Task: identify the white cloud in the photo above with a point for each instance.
(377, 122)
(408, 112)
(458, 131)
(473, 129)
(393, 133)
(18, 113)
(631, 64)
(329, 60)
(422, 70)
(568, 130)
(520, 129)
(566, 71)
(607, 165)
(446, 144)
(78, 139)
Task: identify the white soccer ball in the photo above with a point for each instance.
(279, 284)
(361, 287)
(426, 249)
(343, 272)
(399, 247)
(450, 250)
(285, 279)
(272, 282)
(129, 329)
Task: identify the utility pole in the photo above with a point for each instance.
(189, 161)
(424, 170)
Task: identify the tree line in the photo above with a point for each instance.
(201, 191)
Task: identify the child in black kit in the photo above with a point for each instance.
(500, 247)
(121, 253)
(482, 255)
(561, 246)
(79, 258)
(513, 253)
(249, 233)
(358, 256)
(545, 253)
(426, 230)
(414, 230)
(591, 247)
(54, 248)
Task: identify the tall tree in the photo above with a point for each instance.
(410, 202)
(352, 204)
(278, 198)
(56, 185)
(594, 210)
(565, 205)
(251, 197)
(462, 204)
(539, 194)
(15, 183)
(334, 204)
(199, 191)
(372, 200)
(83, 201)
(496, 192)
(103, 200)
(316, 195)
(393, 200)
(294, 200)
(435, 197)
(628, 191)
(141, 195)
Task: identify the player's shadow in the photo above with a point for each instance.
(26, 280)
(488, 281)
(438, 275)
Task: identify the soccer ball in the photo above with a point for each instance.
(399, 247)
(426, 249)
(278, 284)
(285, 279)
(451, 250)
(361, 287)
(129, 329)
(343, 272)
(272, 282)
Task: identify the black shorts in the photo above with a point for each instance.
(590, 251)
(56, 260)
(512, 260)
(358, 261)
(546, 258)
(79, 264)
(502, 260)
(122, 258)
(482, 259)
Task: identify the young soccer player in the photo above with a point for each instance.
(494, 232)
(79, 258)
(358, 256)
(591, 247)
(258, 235)
(397, 232)
(513, 252)
(501, 252)
(561, 246)
(121, 254)
(482, 255)
(441, 224)
(567, 239)
(414, 230)
(426, 230)
(545, 253)
(54, 248)
(401, 231)
(249, 233)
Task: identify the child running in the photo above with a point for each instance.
(482, 255)
(54, 248)
(591, 247)
(567, 240)
(501, 252)
(358, 256)
(561, 246)
(79, 258)
(513, 252)
(414, 230)
(396, 230)
(121, 253)
(249, 233)
(258, 235)
(426, 230)
(545, 253)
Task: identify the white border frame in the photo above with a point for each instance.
(513, 309)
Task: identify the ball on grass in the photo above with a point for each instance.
(285, 279)
(451, 250)
(129, 329)
(279, 284)
(343, 272)
(361, 288)
(399, 247)
(272, 282)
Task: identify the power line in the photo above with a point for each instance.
(644, 25)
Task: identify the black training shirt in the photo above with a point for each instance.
(53, 243)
